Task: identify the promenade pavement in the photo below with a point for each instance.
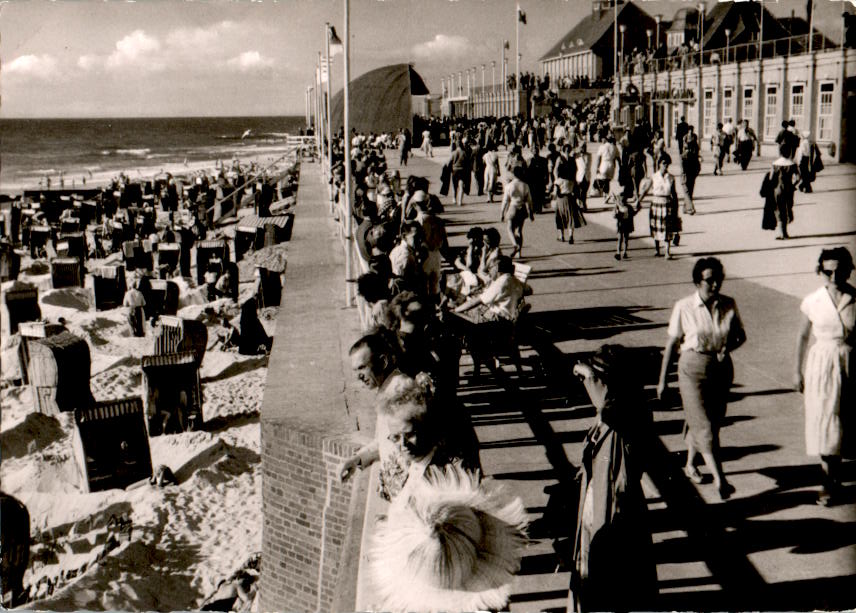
(769, 547)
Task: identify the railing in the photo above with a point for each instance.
(744, 52)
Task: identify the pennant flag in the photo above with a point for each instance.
(336, 45)
(521, 16)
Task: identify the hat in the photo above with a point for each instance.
(448, 543)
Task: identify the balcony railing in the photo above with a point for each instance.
(745, 52)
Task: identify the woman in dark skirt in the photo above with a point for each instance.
(708, 328)
(777, 189)
(568, 213)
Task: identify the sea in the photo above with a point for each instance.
(77, 150)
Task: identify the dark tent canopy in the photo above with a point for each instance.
(380, 100)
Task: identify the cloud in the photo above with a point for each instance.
(442, 47)
(136, 50)
(249, 61)
(36, 66)
(221, 45)
(90, 62)
(201, 39)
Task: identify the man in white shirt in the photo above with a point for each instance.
(501, 299)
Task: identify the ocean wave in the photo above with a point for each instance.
(137, 152)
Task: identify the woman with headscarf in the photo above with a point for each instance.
(516, 207)
(827, 378)
(613, 541)
(777, 189)
(708, 328)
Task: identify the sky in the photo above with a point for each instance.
(106, 58)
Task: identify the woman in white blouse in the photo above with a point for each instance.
(827, 379)
(708, 327)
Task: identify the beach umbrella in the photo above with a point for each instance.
(448, 543)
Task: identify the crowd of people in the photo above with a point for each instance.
(425, 303)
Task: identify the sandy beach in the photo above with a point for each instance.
(148, 547)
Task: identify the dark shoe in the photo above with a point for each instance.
(571, 241)
(725, 490)
(617, 256)
(626, 257)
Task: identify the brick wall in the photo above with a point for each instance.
(310, 420)
(297, 467)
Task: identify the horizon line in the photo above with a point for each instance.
(301, 115)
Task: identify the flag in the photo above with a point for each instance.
(506, 45)
(521, 16)
(325, 69)
(336, 45)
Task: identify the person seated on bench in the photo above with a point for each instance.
(501, 299)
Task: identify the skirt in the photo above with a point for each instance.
(661, 219)
(563, 212)
(828, 376)
(704, 383)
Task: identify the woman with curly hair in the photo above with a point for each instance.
(408, 437)
(825, 375)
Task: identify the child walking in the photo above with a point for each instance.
(624, 212)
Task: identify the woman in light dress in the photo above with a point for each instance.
(825, 375)
(491, 170)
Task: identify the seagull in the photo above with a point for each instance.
(246, 133)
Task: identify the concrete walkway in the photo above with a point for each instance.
(769, 546)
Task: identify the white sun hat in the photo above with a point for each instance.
(449, 543)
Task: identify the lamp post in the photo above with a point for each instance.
(727, 43)
(701, 35)
(658, 18)
(493, 71)
(648, 33)
(622, 28)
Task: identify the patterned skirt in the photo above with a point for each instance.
(662, 219)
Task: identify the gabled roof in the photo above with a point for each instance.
(587, 33)
(743, 18)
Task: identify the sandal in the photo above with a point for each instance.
(693, 474)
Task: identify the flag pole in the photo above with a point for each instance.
(322, 122)
(327, 100)
(346, 121)
(616, 102)
(517, 61)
